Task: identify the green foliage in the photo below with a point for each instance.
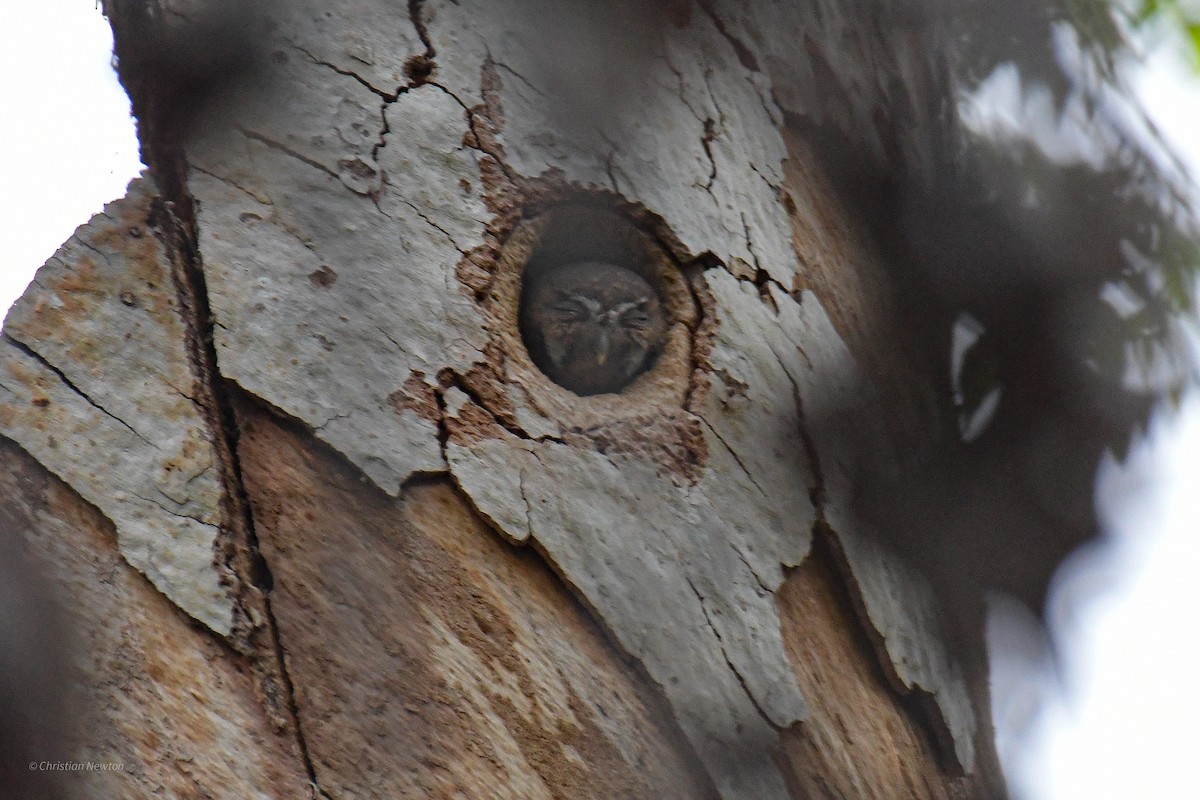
(1182, 16)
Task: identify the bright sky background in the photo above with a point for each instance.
(1119, 708)
(1128, 724)
(67, 145)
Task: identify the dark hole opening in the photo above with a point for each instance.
(591, 315)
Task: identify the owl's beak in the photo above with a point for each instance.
(602, 350)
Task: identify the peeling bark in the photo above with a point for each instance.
(97, 385)
(160, 704)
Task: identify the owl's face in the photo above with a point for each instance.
(592, 327)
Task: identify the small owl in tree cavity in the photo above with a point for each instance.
(592, 327)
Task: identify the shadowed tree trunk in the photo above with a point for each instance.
(321, 525)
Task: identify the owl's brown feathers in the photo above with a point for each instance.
(592, 327)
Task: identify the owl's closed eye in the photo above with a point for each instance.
(591, 326)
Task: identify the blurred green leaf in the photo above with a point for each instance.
(1174, 13)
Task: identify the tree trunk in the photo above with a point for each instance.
(320, 523)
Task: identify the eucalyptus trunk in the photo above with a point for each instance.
(321, 525)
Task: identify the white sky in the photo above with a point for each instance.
(67, 145)
(1129, 723)
(1120, 708)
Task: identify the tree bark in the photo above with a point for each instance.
(322, 526)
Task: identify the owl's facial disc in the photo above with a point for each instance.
(592, 326)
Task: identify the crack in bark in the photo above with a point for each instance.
(750, 476)
(750, 245)
(473, 116)
(241, 555)
(433, 225)
(384, 129)
(525, 500)
(725, 655)
(186, 483)
(709, 132)
(608, 168)
(38, 357)
(757, 578)
(520, 77)
(745, 54)
(706, 142)
(177, 514)
(182, 394)
(736, 457)
(414, 15)
(761, 279)
(701, 331)
(334, 418)
(609, 159)
(712, 96)
(399, 347)
(230, 182)
(283, 148)
(157, 106)
(817, 490)
(349, 73)
(443, 428)
(388, 99)
(93, 248)
(682, 91)
(772, 186)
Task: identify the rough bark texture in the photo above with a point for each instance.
(408, 622)
(279, 390)
(97, 384)
(160, 701)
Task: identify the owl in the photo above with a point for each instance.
(592, 327)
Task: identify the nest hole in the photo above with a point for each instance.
(550, 394)
(598, 299)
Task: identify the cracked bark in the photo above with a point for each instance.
(256, 630)
(446, 575)
(25, 348)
